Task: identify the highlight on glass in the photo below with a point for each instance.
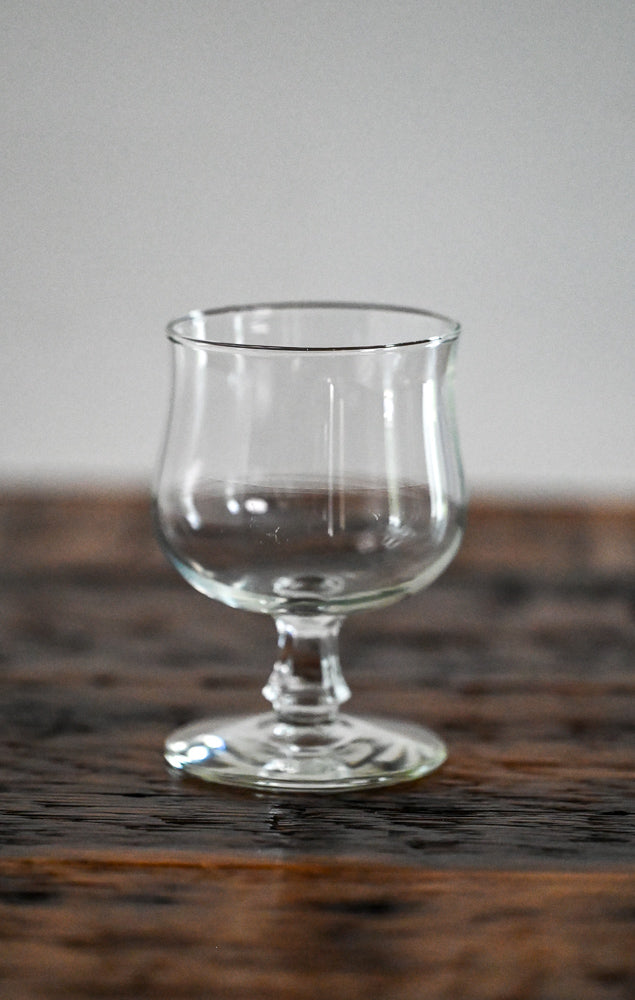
(310, 470)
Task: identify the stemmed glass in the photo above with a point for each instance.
(310, 469)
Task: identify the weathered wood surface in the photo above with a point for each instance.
(508, 873)
(254, 931)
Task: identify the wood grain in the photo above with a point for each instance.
(131, 928)
(507, 874)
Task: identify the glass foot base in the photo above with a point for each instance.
(263, 752)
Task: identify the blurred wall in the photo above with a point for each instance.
(472, 157)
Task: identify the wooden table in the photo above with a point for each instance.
(506, 875)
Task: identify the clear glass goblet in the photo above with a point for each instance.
(310, 469)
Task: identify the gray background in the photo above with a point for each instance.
(474, 158)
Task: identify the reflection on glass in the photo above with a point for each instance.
(310, 469)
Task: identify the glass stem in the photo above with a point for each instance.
(306, 686)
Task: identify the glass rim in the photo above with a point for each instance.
(450, 333)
